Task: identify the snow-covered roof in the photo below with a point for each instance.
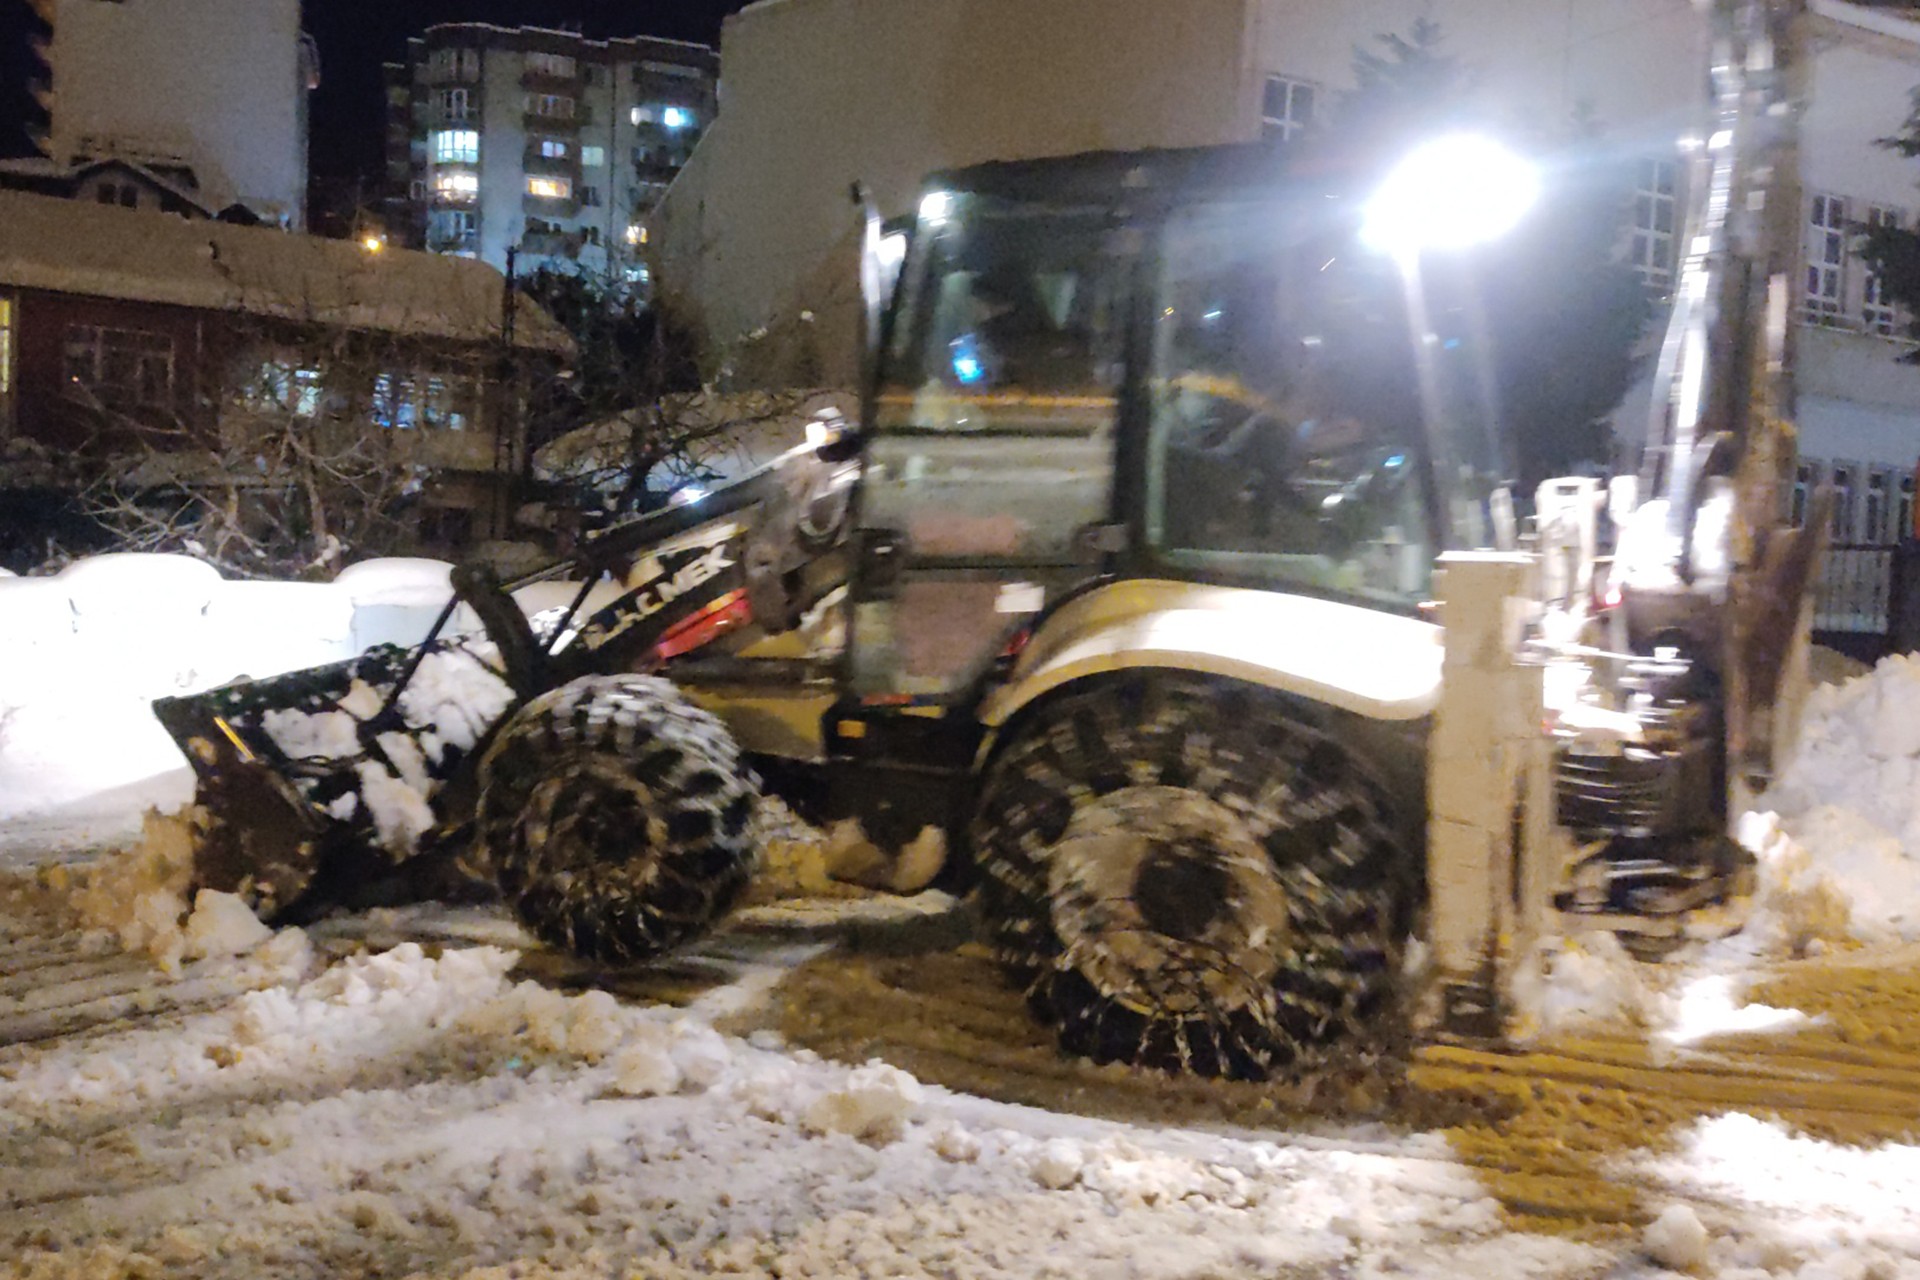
(102, 251)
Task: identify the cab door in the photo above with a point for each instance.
(989, 476)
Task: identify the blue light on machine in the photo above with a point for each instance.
(968, 369)
(676, 117)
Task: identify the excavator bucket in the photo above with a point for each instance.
(346, 756)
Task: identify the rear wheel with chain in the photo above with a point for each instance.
(1182, 874)
(617, 817)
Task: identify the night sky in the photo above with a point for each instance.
(356, 36)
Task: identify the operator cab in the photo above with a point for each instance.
(1171, 367)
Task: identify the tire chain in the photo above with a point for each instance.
(617, 818)
(1317, 813)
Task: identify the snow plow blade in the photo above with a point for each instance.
(299, 769)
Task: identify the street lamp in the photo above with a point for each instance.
(1454, 192)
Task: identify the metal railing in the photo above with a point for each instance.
(1856, 590)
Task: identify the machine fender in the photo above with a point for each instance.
(1378, 665)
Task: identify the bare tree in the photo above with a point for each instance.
(310, 445)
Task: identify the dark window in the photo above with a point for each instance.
(123, 368)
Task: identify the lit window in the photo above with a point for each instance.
(1654, 222)
(6, 357)
(1877, 311)
(593, 157)
(636, 234)
(287, 389)
(1826, 260)
(455, 185)
(550, 106)
(667, 117)
(553, 149)
(395, 402)
(456, 146)
(1286, 108)
(549, 188)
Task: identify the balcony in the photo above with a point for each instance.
(539, 122)
(536, 80)
(657, 164)
(567, 206)
(460, 242)
(550, 244)
(567, 166)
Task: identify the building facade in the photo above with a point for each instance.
(205, 101)
(126, 335)
(544, 143)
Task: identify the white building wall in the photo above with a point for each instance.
(818, 94)
(219, 83)
(1635, 65)
(503, 143)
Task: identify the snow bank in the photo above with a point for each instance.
(1850, 797)
(86, 652)
(1837, 849)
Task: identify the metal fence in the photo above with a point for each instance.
(1855, 592)
(1867, 600)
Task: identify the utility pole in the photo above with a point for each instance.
(509, 413)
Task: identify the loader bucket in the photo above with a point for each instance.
(298, 768)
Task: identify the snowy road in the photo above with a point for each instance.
(348, 1102)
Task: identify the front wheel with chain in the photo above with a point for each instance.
(617, 818)
(1184, 875)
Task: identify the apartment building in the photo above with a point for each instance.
(195, 107)
(543, 143)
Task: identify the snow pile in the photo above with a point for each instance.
(139, 895)
(874, 1105)
(221, 925)
(1812, 1208)
(1837, 861)
(1677, 1239)
(1850, 796)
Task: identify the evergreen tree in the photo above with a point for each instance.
(1893, 253)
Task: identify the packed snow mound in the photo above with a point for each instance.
(1850, 796)
(139, 895)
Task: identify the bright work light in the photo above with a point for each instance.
(1453, 192)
